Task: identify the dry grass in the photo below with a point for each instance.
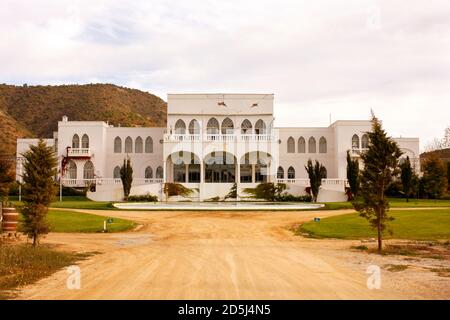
(21, 264)
(429, 250)
(396, 267)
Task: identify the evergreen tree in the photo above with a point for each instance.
(353, 174)
(126, 175)
(434, 178)
(6, 179)
(39, 188)
(406, 177)
(316, 172)
(380, 167)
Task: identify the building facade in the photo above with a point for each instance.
(211, 141)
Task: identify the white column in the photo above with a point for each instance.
(164, 171)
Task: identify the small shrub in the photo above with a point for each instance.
(176, 189)
(143, 198)
(361, 247)
(292, 198)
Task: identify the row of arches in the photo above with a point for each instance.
(312, 145)
(214, 127)
(76, 141)
(364, 141)
(139, 146)
(290, 173)
(148, 173)
(88, 170)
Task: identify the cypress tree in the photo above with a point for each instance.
(39, 188)
(126, 175)
(380, 167)
(353, 174)
(406, 177)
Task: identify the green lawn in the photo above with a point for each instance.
(413, 224)
(75, 202)
(70, 221)
(395, 203)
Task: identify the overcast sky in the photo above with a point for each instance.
(317, 57)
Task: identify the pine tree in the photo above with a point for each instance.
(38, 189)
(406, 176)
(126, 175)
(6, 179)
(353, 174)
(316, 172)
(434, 178)
(380, 167)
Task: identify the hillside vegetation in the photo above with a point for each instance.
(34, 111)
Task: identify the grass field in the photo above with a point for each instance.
(413, 224)
(69, 221)
(75, 202)
(22, 265)
(395, 203)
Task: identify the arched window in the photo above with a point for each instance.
(213, 126)
(365, 141)
(138, 145)
(88, 170)
(312, 145)
(116, 173)
(180, 127)
(128, 145)
(323, 145)
(246, 127)
(75, 141)
(148, 173)
(71, 170)
(159, 173)
(291, 173)
(291, 145)
(149, 145)
(301, 145)
(260, 127)
(227, 126)
(280, 173)
(194, 127)
(85, 141)
(355, 142)
(117, 145)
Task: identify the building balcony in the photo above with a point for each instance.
(79, 152)
(219, 138)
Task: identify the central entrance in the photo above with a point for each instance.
(220, 167)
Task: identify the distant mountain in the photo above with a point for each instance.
(34, 111)
(443, 154)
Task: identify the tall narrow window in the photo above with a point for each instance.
(138, 145)
(355, 142)
(291, 145)
(312, 145)
(194, 127)
(159, 173)
(180, 127)
(291, 173)
(301, 145)
(88, 170)
(260, 127)
(71, 171)
(246, 127)
(148, 173)
(128, 145)
(85, 141)
(149, 145)
(213, 126)
(75, 141)
(116, 173)
(323, 145)
(227, 126)
(280, 173)
(365, 141)
(117, 145)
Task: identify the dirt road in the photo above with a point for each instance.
(224, 255)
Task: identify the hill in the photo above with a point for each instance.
(34, 111)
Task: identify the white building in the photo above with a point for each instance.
(211, 142)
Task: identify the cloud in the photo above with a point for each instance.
(317, 57)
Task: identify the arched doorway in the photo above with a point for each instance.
(220, 167)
